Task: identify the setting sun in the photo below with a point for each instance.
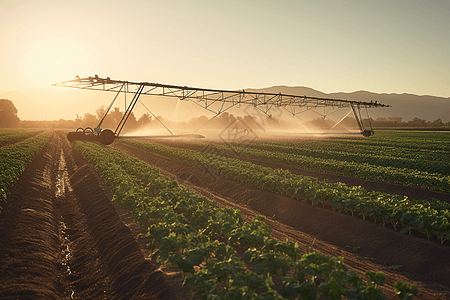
(234, 149)
(381, 47)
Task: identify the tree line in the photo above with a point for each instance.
(8, 114)
(109, 120)
(416, 122)
(10, 119)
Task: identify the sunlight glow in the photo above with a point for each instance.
(51, 57)
(345, 46)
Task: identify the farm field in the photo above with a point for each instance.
(11, 136)
(414, 159)
(65, 238)
(61, 237)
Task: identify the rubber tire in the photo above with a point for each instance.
(106, 137)
(71, 136)
(366, 133)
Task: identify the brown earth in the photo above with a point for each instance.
(61, 236)
(363, 244)
(390, 188)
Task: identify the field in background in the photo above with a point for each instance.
(251, 170)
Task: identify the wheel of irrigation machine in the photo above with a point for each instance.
(71, 136)
(106, 137)
(89, 134)
(367, 133)
(76, 135)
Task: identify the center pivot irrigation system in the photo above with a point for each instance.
(216, 101)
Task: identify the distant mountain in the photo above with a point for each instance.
(291, 90)
(407, 106)
(62, 103)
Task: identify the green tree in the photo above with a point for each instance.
(416, 122)
(8, 114)
(116, 115)
(145, 119)
(89, 120)
(437, 123)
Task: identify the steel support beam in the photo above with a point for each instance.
(208, 97)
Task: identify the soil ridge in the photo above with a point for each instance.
(378, 247)
(61, 237)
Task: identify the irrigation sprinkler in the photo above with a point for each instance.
(216, 101)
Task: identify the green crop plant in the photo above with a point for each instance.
(431, 218)
(14, 158)
(203, 241)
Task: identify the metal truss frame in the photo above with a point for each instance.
(224, 99)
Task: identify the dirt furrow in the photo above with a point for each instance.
(364, 245)
(30, 259)
(61, 237)
(390, 188)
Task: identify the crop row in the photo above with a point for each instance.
(14, 159)
(427, 146)
(404, 176)
(374, 145)
(363, 149)
(381, 158)
(430, 218)
(206, 242)
(407, 140)
(7, 131)
(10, 135)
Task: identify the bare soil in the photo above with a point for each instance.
(363, 244)
(390, 188)
(61, 237)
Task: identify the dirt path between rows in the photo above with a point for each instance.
(61, 237)
(390, 188)
(14, 141)
(364, 245)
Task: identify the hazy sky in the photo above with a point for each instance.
(384, 46)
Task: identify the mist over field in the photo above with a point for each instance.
(60, 103)
(301, 149)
